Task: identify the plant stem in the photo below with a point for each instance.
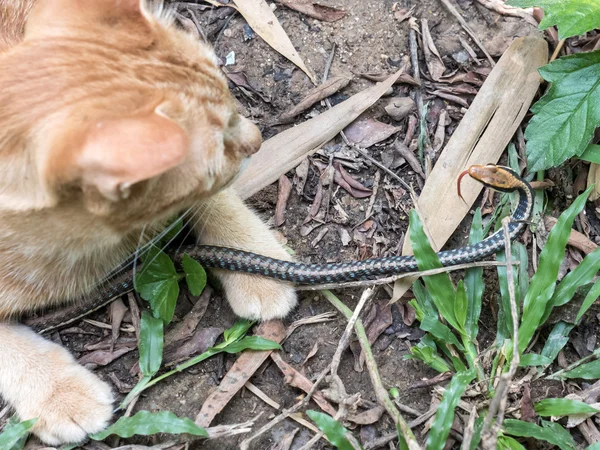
(380, 391)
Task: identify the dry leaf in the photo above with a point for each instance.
(241, 371)
(286, 150)
(185, 328)
(296, 379)
(320, 12)
(300, 176)
(261, 19)
(199, 342)
(104, 357)
(317, 94)
(434, 62)
(367, 132)
(480, 138)
(285, 189)
(367, 417)
(576, 239)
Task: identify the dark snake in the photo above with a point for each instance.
(499, 178)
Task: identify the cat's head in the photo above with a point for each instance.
(108, 104)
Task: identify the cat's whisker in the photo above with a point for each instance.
(201, 213)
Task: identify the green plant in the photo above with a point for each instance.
(449, 314)
(567, 115)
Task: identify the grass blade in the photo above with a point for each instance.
(508, 443)
(533, 359)
(474, 285)
(550, 432)
(589, 300)
(581, 275)
(559, 336)
(145, 423)
(543, 282)
(589, 371)
(334, 431)
(151, 344)
(558, 407)
(14, 433)
(445, 415)
(439, 286)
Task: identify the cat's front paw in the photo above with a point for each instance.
(255, 297)
(74, 404)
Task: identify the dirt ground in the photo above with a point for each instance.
(369, 39)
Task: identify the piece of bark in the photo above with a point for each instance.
(317, 94)
(481, 137)
(241, 371)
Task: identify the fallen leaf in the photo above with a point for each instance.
(241, 371)
(368, 132)
(317, 94)
(312, 352)
(286, 150)
(300, 176)
(286, 442)
(261, 18)
(434, 62)
(576, 239)
(367, 417)
(104, 357)
(315, 10)
(402, 14)
(197, 343)
(379, 77)
(285, 189)
(117, 311)
(185, 328)
(296, 379)
(453, 98)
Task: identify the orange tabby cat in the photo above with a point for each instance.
(111, 121)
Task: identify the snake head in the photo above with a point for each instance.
(499, 178)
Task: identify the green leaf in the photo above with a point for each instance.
(158, 283)
(439, 286)
(591, 154)
(566, 116)
(558, 338)
(334, 431)
(151, 344)
(543, 282)
(549, 432)
(444, 417)
(145, 423)
(589, 371)
(589, 300)
(429, 356)
(12, 436)
(173, 228)
(582, 274)
(533, 359)
(195, 275)
(508, 443)
(239, 329)
(572, 17)
(558, 407)
(474, 284)
(252, 343)
(595, 446)
(440, 331)
(461, 305)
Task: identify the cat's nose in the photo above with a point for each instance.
(250, 137)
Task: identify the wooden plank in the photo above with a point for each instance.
(481, 137)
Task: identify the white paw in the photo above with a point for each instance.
(72, 405)
(256, 297)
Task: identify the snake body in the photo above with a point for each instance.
(497, 177)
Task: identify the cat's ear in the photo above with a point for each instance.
(118, 153)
